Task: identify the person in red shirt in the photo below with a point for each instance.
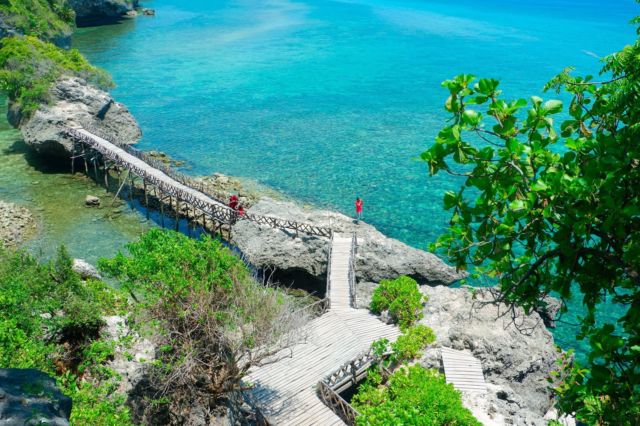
(240, 211)
(358, 209)
(233, 202)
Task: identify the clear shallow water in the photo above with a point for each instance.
(329, 100)
(56, 198)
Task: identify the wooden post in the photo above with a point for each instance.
(73, 157)
(95, 168)
(146, 196)
(84, 157)
(106, 177)
(131, 190)
(161, 212)
(177, 213)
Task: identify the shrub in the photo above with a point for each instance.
(401, 297)
(49, 320)
(29, 67)
(46, 19)
(413, 396)
(409, 345)
(213, 319)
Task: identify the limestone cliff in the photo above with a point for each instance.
(75, 102)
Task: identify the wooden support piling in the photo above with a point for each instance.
(146, 197)
(84, 158)
(177, 213)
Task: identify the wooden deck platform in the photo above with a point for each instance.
(463, 370)
(286, 391)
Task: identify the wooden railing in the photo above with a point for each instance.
(218, 210)
(349, 374)
(352, 270)
(342, 408)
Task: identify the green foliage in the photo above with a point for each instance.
(96, 403)
(43, 308)
(547, 208)
(213, 320)
(413, 396)
(45, 19)
(29, 67)
(409, 345)
(401, 297)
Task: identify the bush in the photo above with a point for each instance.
(49, 320)
(410, 345)
(413, 396)
(401, 297)
(29, 67)
(213, 319)
(46, 19)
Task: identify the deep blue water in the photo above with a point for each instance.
(329, 100)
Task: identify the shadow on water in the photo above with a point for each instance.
(39, 164)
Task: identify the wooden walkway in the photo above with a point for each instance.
(463, 370)
(285, 391)
(170, 184)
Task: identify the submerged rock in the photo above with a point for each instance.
(378, 257)
(95, 11)
(516, 350)
(75, 102)
(91, 201)
(30, 397)
(16, 224)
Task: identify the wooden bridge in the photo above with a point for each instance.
(169, 186)
(286, 392)
(289, 391)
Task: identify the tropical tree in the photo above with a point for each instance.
(548, 209)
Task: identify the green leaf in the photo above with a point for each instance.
(552, 106)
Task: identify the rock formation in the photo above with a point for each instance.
(85, 269)
(96, 11)
(75, 102)
(517, 352)
(378, 256)
(30, 397)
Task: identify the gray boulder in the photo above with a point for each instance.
(75, 102)
(30, 397)
(516, 350)
(378, 257)
(85, 269)
(91, 11)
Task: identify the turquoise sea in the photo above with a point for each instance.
(329, 100)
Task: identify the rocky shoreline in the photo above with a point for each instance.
(517, 356)
(17, 224)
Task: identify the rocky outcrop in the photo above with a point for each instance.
(378, 256)
(16, 224)
(85, 269)
(96, 11)
(132, 352)
(516, 350)
(74, 102)
(30, 397)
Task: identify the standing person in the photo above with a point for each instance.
(233, 202)
(241, 211)
(358, 209)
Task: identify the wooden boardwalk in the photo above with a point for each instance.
(169, 183)
(463, 370)
(285, 391)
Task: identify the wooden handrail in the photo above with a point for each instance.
(220, 211)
